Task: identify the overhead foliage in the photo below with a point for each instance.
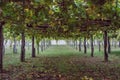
(63, 17)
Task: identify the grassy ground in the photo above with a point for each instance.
(62, 63)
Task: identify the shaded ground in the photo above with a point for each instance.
(63, 63)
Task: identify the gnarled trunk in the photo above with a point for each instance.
(85, 47)
(14, 46)
(1, 48)
(115, 44)
(76, 44)
(99, 45)
(119, 44)
(42, 46)
(33, 47)
(10, 44)
(50, 43)
(92, 47)
(80, 45)
(37, 45)
(38, 49)
(22, 58)
(105, 46)
(109, 46)
(88, 45)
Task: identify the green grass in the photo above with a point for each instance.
(116, 52)
(11, 58)
(61, 62)
(60, 51)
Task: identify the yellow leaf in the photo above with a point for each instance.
(26, 9)
(98, 15)
(90, 78)
(18, 18)
(31, 13)
(52, 24)
(50, 12)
